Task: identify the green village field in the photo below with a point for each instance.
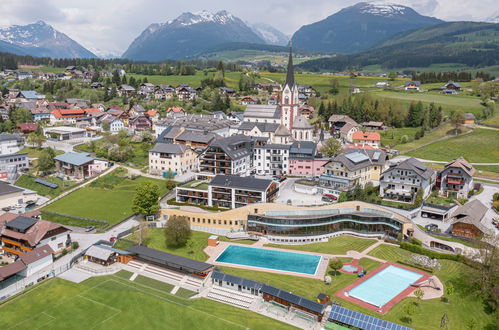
(109, 198)
(114, 302)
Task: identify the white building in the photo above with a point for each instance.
(271, 159)
(10, 143)
(36, 260)
(402, 181)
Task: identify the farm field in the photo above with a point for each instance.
(108, 198)
(335, 245)
(479, 146)
(440, 132)
(449, 103)
(111, 302)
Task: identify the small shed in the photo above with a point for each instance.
(213, 240)
(101, 255)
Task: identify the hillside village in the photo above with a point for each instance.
(201, 193)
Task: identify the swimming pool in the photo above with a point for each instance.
(270, 259)
(384, 286)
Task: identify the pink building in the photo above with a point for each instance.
(303, 161)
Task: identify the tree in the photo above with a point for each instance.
(146, 198)
(335, 264)
(177, 231)
(419, 293)
(106, 126)
(456, 118)
(415, 115)
(170, 184)
(332, 147)
(36, 139)
(335, 86)
(392, 75)
(46, 160)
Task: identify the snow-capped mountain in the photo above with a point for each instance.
(270, 34)
(359, 27)
(105, 54)
(188, 35)
(41, 40)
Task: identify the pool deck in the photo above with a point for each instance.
(430, 293)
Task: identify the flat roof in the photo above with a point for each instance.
(21, 223)
(75, 158)
(169, 259)
(239, 182)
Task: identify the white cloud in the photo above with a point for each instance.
(112, 25)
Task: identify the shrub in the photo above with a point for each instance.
(434, 255)
(415, 241)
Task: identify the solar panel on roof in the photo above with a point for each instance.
(356, 157)
(360, 320)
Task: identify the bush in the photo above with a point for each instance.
(415, 241)
(434, 255)
(75, 245)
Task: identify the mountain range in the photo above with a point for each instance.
(41, 40)
(359, 27)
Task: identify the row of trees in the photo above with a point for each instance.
(436, 77)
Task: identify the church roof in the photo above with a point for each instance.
(282, 131)
(301, 122)
(262, 111)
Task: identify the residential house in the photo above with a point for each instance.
(245, 100)
(125, 90)
(303, 160)
(468, 220)
(136, 110)
(456, 179)
(236, 117)
(264, 130)
(30, 96)
(174, 111)
(97, 85)
(185, 92)
(372, 139)
(403, 180)
(115, 124)
(374, 125)
(77, 103)
(146, 89)
(227, 91)
(4, 112)
(451, 85)
(353, 167)
(336, 122)
(307, 111)
(26, 128)
(41, 114)
(22, 75)
(194, 139)
(164, 92)
(172, 158)
(10, 143)
(79, 166)
(382, 84)
(139, 123)
(346, 132)
(229, 155)
(271, 159)
(153, 115)
(412, 85)
(21, 234)
(228, 191)
(200, 123)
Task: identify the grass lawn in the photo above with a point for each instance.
(111, 302)
(35, 152)
(156, 240)
(69, 221)
(103, 202)
(440, 132)
(197, 184)
(479, 146)
(494, 120)
(28, 182)
(335, 245)
(392, 136)
(390, 253)
(460, 102)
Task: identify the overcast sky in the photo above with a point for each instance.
(111, 25)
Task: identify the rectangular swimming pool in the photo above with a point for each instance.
(270, 259)
(384, 286)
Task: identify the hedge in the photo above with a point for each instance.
(432, 254)
(425, 269)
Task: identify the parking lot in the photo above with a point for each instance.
(287, 193)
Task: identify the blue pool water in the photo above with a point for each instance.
(271, 259)
(384, 286)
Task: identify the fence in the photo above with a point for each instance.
(75, 217)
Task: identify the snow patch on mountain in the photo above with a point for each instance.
(382, 9)
(269, 34)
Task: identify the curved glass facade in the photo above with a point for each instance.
(362, 223)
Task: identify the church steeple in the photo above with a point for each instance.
(290, 75)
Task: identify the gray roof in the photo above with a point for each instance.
(469, 116)
(303, 148)
(354, 159)
(169, 148)
(168, 134)
(21, 223)
(74, 158)
(293, 298)
(274, 146)
(301, 122)
(10, 137)
(98, 252)
(472, 213)
(282, 131)
(262, 111)
(236, 280)
(169, 259)
(415, 165)
(263, 127)
(231, 145)
(36, 254)
(196, 136)
(341, 118)
(239, 182)
(6, 188)
(197, 122)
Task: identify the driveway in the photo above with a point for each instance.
(287, 192)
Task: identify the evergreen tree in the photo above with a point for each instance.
(415, 115)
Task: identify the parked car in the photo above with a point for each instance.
(331, 196)
(89, 228)
(431, 227)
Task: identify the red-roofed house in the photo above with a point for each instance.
(27, 128)
(175, 110)
(153, 115)
(370, 138)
